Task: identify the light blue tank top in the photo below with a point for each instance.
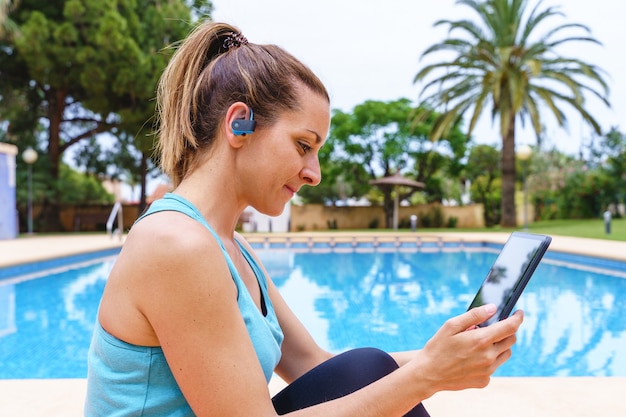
(130, 380)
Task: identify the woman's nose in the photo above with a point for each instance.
(311, 173)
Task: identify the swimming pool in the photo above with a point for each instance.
(390, 296)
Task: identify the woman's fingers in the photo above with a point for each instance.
(462, 359)
(508, 326)
(470, 319)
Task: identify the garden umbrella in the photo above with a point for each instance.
(396, 180)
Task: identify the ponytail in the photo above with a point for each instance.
(212, 68)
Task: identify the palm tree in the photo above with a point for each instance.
(501, 62)
(7, 26)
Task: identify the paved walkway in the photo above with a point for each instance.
(512, 397)
(38, 248)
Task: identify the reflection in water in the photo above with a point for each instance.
(574, 322)
(54, 318)
(7, 310)
(78, 295)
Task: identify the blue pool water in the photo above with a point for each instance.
(394, 299)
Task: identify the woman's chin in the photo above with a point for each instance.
(271, 211)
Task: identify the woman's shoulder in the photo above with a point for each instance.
(168, 256)
(168, 262)
(170, 237)
(170, 226)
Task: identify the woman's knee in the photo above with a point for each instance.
(370, 360)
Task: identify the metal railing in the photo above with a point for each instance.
(116, 212)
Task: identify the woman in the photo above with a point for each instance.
(190, 323)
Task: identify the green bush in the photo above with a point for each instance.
(432, 218)
(452, 222)
(438, 218)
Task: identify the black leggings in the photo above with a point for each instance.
(339, 376)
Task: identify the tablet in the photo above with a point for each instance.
(510, 273)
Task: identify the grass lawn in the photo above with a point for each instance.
(591, 228)
(588, 228)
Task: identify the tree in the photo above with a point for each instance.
(83, 188)
(583, 195)
(86, 67)
(611, 153)
(501, 62)
(377, 139)
(547, 174)
(124, 161)
(136, 132)
(564, 187)
(80, 188)
(438, 163)
(7, 26)
(483, 170)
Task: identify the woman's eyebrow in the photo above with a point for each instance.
(318, 138)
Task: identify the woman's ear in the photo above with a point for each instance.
(239, 122)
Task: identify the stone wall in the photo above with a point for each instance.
(308, 217)
(320, 217)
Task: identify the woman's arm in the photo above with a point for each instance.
(184, 289)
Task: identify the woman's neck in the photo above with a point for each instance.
(216, 198)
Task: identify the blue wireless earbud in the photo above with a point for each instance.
(244, 127)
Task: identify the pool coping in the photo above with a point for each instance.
(23, 253)
(38, 248)
(49, 247)
(600, 248)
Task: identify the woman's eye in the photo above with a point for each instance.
(304, 147)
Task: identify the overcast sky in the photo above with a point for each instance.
(370, 49)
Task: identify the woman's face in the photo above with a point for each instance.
(282, 158)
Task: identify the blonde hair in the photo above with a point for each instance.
(213, 68)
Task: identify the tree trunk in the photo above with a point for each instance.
(388, 206)
(509, 215)
(51, 209)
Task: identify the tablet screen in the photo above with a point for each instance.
(510, 273)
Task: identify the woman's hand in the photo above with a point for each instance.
(456, 359)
